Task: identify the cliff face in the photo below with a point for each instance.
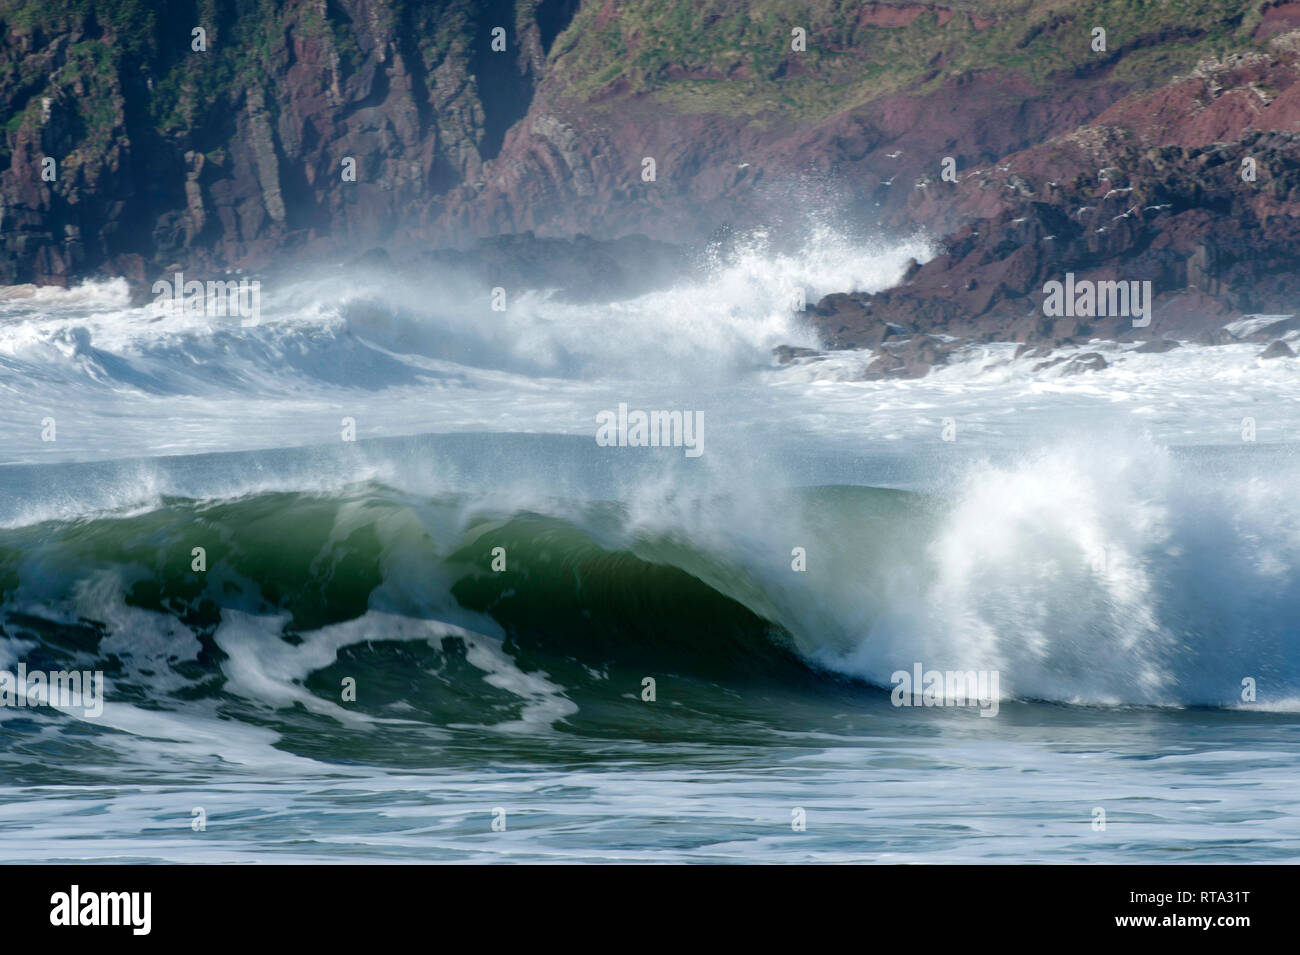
(1193, 187)
(236, 155)
(231, 154)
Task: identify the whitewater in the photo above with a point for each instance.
(427, 592)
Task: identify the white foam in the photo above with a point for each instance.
(271, 671)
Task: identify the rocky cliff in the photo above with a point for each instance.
(1193, 187)
(279, 127)
(237, 146)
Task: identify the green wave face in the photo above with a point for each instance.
(575, 600)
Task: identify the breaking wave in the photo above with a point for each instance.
(1136, 576)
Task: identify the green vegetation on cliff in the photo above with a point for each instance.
(735, 55)
(163, 150)
(697, 55)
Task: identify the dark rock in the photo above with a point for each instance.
(1279, 349)
(1157, 346)
(913, 358)
(785, 354)
(1274, 330)
(1033, 351)
(1092, 361)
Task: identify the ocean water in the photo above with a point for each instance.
(436, 642)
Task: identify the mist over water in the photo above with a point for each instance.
(1108, 543)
